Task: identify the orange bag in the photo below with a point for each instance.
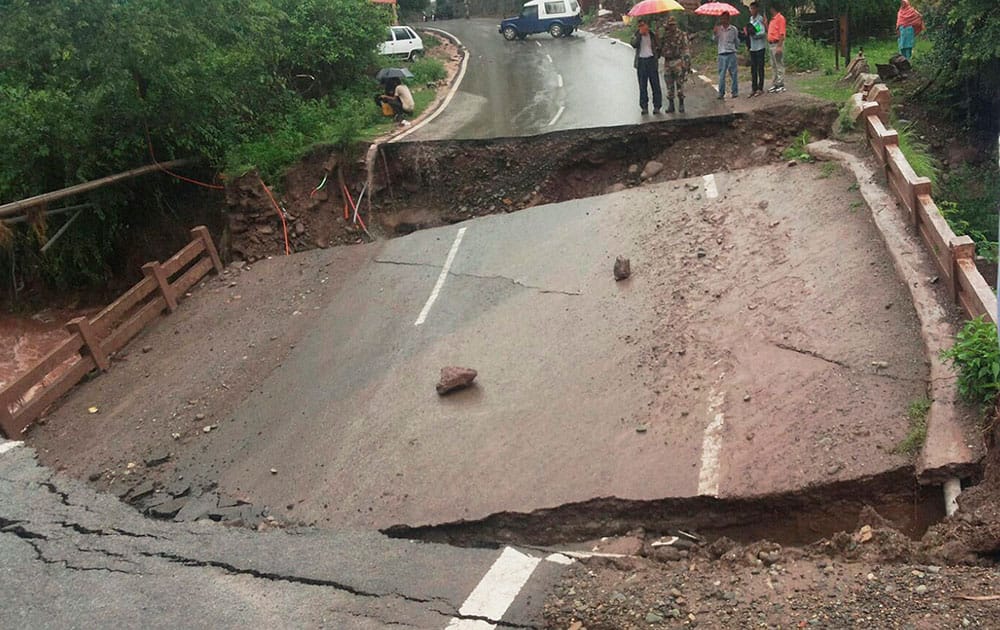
(387, 109)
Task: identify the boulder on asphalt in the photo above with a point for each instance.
(652, 169)
(453, 378)
(623, 268)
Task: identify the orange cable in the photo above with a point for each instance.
(281, 215)
(172, 174)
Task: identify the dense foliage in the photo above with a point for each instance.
(81, 82)
(976, 356)
(966, 36)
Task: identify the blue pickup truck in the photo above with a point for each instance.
(557, 17)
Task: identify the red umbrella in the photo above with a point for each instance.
(717, 8)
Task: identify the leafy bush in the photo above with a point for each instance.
(82, 82)
(976, 355)
(802, 53)
(427, 70)
(972, 197)
(845, 120)
(797, 150)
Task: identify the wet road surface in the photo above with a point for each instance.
(737, 361)
(543, 84)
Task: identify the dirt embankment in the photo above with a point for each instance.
(426, 184)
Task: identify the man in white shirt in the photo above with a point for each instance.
(399, 98)
(647, 54)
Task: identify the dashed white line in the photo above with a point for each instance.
(538, 43)
(559, 80)
(549, 57)
(441, 278)
(559, 113)
(559, 558)
(496, 591)
(8, 446)
(711, 190)
(711, 446)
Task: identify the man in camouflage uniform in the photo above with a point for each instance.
(676, 63)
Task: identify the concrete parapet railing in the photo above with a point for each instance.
(954, 255)
(92, 340)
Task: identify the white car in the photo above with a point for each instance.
(402, 41)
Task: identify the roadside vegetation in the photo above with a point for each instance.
(976, 357)
(89, 88)
(916, 413)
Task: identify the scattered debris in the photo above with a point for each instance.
(623, 268)
(274, 471)
(652, 169)
(92, 410)
(157, 458)
(208, 428)
(453, 378)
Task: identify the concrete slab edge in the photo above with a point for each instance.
(951, 448)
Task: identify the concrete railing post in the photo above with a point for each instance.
(962, 247)
(201, 232)
(82, 327)
(155, 271)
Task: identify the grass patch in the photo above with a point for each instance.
(797, 150)
(623, 34)
(828, 170)
(845, 121)
(918, 154)
(917, 435)
(422, 98)
(430, 41)
(824, 82)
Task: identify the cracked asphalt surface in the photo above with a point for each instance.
(735, 362)
(104, 565)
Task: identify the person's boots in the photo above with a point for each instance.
(680, 104)
(670, 106)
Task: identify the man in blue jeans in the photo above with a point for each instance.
(647, 52)
(727, 37)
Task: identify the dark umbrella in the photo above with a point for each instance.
(386, 74)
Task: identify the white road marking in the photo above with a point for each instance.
(441, 278)
(711, 190)
(538, 43)
(8, 445)
(447, 99)
(711, 446)
(549, 57)
(496, 591)
(559, 113)
(591, 554)
(559, 80)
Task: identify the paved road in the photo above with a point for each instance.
(72, 558)
(736, 361)
(543, 84)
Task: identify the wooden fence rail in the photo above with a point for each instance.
(954, 255)
(93, 340)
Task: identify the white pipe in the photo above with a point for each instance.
(952, 488)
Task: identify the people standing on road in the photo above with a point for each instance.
(909, 24)
(727, 37)
(757, 36)
(676, 53)
(647, 51)
(776, 41)
(398, 97)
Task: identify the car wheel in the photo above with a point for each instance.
(556, 30)
(510, 34)
(416, 54)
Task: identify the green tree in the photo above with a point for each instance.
(82, 83)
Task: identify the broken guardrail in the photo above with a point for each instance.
(93, 340)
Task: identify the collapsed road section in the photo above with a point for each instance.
(762, 344)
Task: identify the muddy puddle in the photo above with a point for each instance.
(25, 340)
